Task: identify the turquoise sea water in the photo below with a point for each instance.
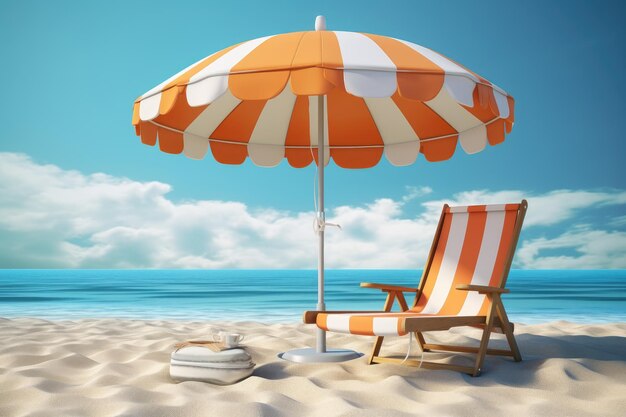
(282, 295)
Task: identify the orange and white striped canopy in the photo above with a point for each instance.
(382, 95)
(473, 248)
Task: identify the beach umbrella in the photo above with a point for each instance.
(320, 95)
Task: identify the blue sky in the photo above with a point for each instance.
(73, 69)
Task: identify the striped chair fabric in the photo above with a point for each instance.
(472, 249)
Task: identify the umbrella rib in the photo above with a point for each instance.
(234, 142)
(299, 67)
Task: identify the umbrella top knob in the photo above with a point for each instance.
(320, 23)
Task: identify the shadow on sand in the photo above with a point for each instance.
(572, 353)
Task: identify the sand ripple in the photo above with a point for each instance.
(109, 367)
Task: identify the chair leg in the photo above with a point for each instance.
(421, 341)
(507, 329)
(391, 296)
(377, 345)
(484, 341)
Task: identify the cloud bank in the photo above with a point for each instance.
(56, 218)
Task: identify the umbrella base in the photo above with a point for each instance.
(310, 355)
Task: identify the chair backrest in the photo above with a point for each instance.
(473, 245)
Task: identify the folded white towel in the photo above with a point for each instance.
(197, 363)
(217, 365)
(202, 354)
(212, 375)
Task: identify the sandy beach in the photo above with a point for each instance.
(110, 367)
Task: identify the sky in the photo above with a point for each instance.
(79, 190)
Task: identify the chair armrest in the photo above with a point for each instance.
(483, 289)
(387, 287)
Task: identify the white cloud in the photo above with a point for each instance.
(50, 217)
(593, 249)
(545, 209)
(413, 192)
(618, 221)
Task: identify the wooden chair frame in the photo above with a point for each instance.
(496, 319)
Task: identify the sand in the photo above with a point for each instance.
(111, 367)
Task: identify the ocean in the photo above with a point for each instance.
(586, 296)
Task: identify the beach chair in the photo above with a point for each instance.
(462, 284)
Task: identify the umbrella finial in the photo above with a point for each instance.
(320, 23)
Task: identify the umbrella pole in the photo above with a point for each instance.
(321, 217)
(320, 353)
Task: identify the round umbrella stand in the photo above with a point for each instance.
(311, 355)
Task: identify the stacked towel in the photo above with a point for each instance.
(198, 363)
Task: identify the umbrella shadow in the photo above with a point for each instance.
(272, 371)
(536, 350)
(602, 348)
